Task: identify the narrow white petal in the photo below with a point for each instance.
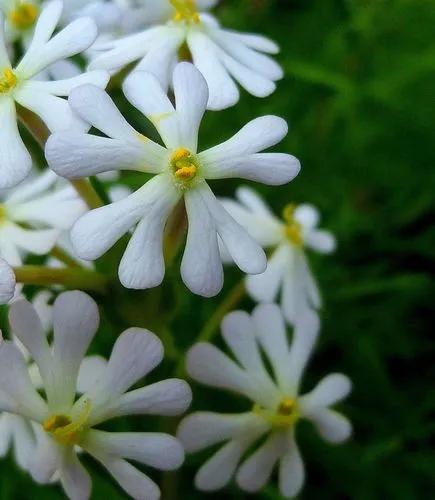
(204, 429)
(142, 265)
(331, 425)
(257, 469)
(6, 430)
(223, 92)
(201, 267)
(73, 476)
(32, 187)
(254, 202)
(15, 160)
(23, 441)
(7, 282)
(257, 42)
(16, 385)
(191, 97)
(157, 450)
(145, 93)
(37, 241)
(135, 353)
(291, 471)
(321, 241)
(307, 215)
(4, 57)
(46, 458)
(91, 370)
(65, 86)
(75, 322)
(329, 391)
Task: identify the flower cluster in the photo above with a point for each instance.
(81, 223)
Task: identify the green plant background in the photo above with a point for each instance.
(360, 100)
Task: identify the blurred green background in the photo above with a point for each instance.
(359, 96)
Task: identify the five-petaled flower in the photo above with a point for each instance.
(64, 422)
(222, 56)
(181, 171)
(44, 98)
(277, 404)
(287, 269)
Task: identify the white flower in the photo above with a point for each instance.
(20, 18)
(222, 56)
(33, 215)
(181, 171)
(277, 405)
(288, 272)
(65, 423)
(42, 97)
(7, 282)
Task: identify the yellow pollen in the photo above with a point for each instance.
(7, 81)
(293, 230)
(24, 16)
(286, 415)
(65, 430)
(185, 10)
(184, 165)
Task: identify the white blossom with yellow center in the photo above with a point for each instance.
(288, 273)
(20, 18)
(63, 422)
(275, 396)
(224, 57)
(43, 98)
(181, 172)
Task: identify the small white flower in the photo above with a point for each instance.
(181, 171)
(277, 405)
(20, 18)
(7, 282)
(65, 423)
(41, 97)
(33, 215)
(287, 271)
(222, 56)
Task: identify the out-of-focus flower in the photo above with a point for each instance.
(20, 18)
(181, 173)
(64, 422)
(7, 282)
(33, 215)
(44, 98)
(222, 56)
(277, 402)
(288, 270)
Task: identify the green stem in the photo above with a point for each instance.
(87, 192)
(82, 279)
(62, 256)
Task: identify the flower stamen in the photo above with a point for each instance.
(184, 165)
(285, 415)
(186, 10)
(64, 429)
(7, 81)
(24, 16)
(293, 229)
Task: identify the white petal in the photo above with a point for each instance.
(4, 57)
(15, 161)
(204, 429)
(329, 391)
(291, 471)
(257, 469)
(247, 254)
(34, 241)
(72, 40)
(65, 86)
(46, 458)
(23, 441)
(157, 450)
(255, 136)
(169, 397)
(307, 215)
(6, 429)
(321, 241)
(264, 287)
(191, 97)
(16, 385)
(75, 322)
(41, 303)
(201, 267)
(7, 282)
(254, 202)
(32, 187)
(208, 365)
(96, 107)
(223, 92)
(97, 231)
(145, 93)
(74, 478)
(91, 369)
(257, 42)
(142, 265)
(135, 353)
(332, 426)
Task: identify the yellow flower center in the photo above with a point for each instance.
(186, 10)
(7, 81)
(285, 415)
(293, 230)
(24, 16)
(3, 214)
(184, 165)
(64, 429)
